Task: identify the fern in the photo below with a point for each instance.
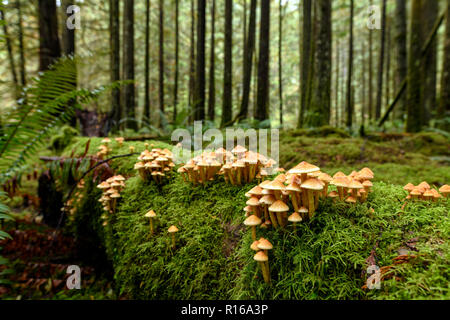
(51, 101)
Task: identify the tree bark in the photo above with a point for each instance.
(280, 62)
(262, 104)
(401, 53)
(248, 61)
(337, 85)
(192, 66)
(381, 62)
(147, 61)
(12, 64)
(370, 95)
(350, 71)
(114, 59)
(68, 35)
(306, 59)
(444, 105)
(199, 100)
(161, 61)
(228, 68)
(429, 16)
(212, 67)
(388, 64)
(49, 46)
(128, 64)
(22, 68)
(414, 99)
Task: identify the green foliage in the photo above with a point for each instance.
(4, 215)
(63, 138)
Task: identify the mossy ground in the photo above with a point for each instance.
(324, 259)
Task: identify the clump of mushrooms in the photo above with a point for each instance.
(423, 191)
(111, 189)
(155, 164)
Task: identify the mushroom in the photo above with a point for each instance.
(280, 209)
(415, 193)
(172, 230)
(263, 260)
(428, 195)
(354, 186)
(120, 140)
(445, 190)
(303, 211)
(254, 203)
(276, 187)
(267, 201)
(295, 191)
(340, 183)
(333, 195)
(351, 199)
(151, 214)
(409, 187)
(312, 186)
(295, 218)
(264, 245)
(252, 222)
(326, 179)
(254, 246)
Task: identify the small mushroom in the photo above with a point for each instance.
(172, 230)
(151, 215)
(263, 260)
(252, 222)
(295, 218)
(279, 208)
(445, 190)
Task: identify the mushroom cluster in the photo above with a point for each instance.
(154, 164)
(104, 149)
(111, 192)
(70, 205)
(354, 187)
(423, 191)
(262, 247)
(238, 166)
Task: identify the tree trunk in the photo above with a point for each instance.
(381, 62)
(388, 63)
(370, 95)
(192, 65)
(12, 65)
(212, 67)
(147, 62)
(128, 64)
(199, 100)
(228, 66)
(337, 85)
(22, 69)
(319, 113)
(429, 16)
(68, 35)
(49, 46)
(262, 104)
(363, 84)
(177, 53)
(401, 53)
(306, 59)
(444, 105)
(161, 61)
(248, 61)
(414, 99)
(280, 62)
(114, 59)
(350, 71)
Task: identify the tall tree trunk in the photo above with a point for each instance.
(401, 53)
(262, 104)
(337, 85)
(161, 61)
(244, 31)
(147, 61)
(12, 64)
(68, 35)
(280, 62)
(414, 99)
(177, 49)
(248, 61)
(22, 69)
(306, 59)
(429, 16)
(381, 62)
(114, 59)
(199, 100)
(363, 84)
(388, 63)
(444, 105)
(228, 65)
(212, 67)
(350, 71)
(49, 46)
(319, 113)
(128, 64)
(192, 66)
(370, 95)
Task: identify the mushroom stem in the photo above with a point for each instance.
(277, 194)
(265, 271)
(273, 219)
(254, 233)
(311, 208)
(280, 219)
(305, 197)
(173, 240)
(295, 226)
(151, 225)
(294, 200)
(316, 199)
(341, 193)
(325, 189)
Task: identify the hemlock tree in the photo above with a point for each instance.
(401, 54)
(199, 100)
(228, 66)
(128, 64)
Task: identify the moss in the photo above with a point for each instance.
(64, 137)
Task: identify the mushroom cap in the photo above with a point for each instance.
(350, 199)
(248, 209)
(424, 185)
(275, 185)
(151, 214)
(340, 181)
(253, 202)
(254, 245)
(367, 170)
(415, 192)
(365, 175)
(239, 149)
(333, 194)
(428, 193)
(119, 178)
(312, 184)
(265, 182)
(304, 167)
(238, 164)
(303, 210)
(106, 140)
(279, 206)
(445, 189)
(257, 191)
(339, 174)
(138, 165)
(103, 185)
(355, 184)
(253, 220)
(281, 178)
(115, 195)
(268, 199)
(111, 191)
(367, 183)
(295, 217)
(293, 186)
(264, 244)
(260, 256)
(173, 229)
(325, 177)
(436, 194)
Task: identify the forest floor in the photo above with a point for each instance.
(38, 262)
